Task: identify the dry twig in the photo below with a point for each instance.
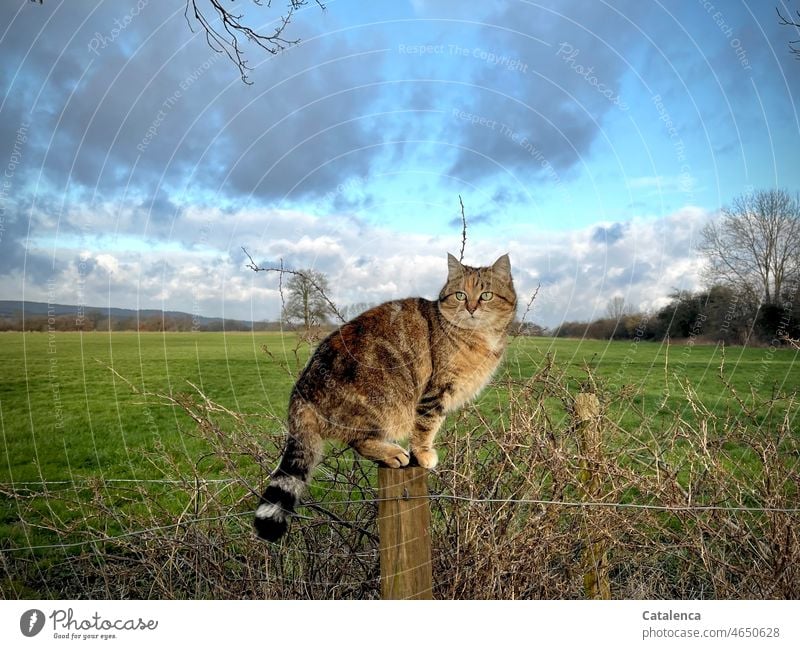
(255, 267)
(227, 38)
(463, 230)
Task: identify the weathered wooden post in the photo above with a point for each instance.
(596, 582)
(404, 522)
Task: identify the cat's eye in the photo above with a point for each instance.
(487, 295)
(461, 296)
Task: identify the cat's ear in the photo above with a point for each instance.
(454, 266)
(502, 265)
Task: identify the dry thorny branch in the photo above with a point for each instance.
(520, 330)
(463, 230)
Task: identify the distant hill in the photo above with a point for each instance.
(105, 318)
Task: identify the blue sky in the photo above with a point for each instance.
(590, 140)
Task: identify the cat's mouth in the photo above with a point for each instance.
(470, 320)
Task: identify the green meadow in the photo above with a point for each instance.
(90, 450)
(66, 416)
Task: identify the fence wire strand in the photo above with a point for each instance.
(434, 496)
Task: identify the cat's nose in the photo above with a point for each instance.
(472, 307)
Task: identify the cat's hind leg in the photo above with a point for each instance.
(429, 419)
(288, 481)
(392, 455)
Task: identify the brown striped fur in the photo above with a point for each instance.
(393, 373)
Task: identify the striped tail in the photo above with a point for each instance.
(286, 486)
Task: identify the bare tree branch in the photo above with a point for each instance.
(463, 230)
(792, 341)
(794, 45)
(528, 308)
(226, 34)
(255, 267)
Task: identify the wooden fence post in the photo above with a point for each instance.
(404, 521)
(596, 582)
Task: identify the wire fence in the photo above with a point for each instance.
(524, 504)
(374, 501)
(11, 486)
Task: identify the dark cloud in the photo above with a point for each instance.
(504, 195)
(157, 113)
(539, 102)
(641, 273)
(472, 220)
(160, 206)
(157, 116)
(84, 265)
(154, 137)
(15, 254)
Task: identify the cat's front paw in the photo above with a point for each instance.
(426, 458)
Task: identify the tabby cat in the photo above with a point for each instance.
(391, 373)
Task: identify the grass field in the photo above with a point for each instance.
(65, 415)
(74, 432)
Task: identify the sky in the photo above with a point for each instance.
(591, 141)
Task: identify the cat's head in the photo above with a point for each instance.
(477, 298)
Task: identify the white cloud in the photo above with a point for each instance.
(108, 263)
(642, 260)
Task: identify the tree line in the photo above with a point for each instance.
(98, 321)
(717, 314)
(752, 274)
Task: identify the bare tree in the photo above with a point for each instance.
(616, 307)
(755, 246)
(791, 21)
(306, 303)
